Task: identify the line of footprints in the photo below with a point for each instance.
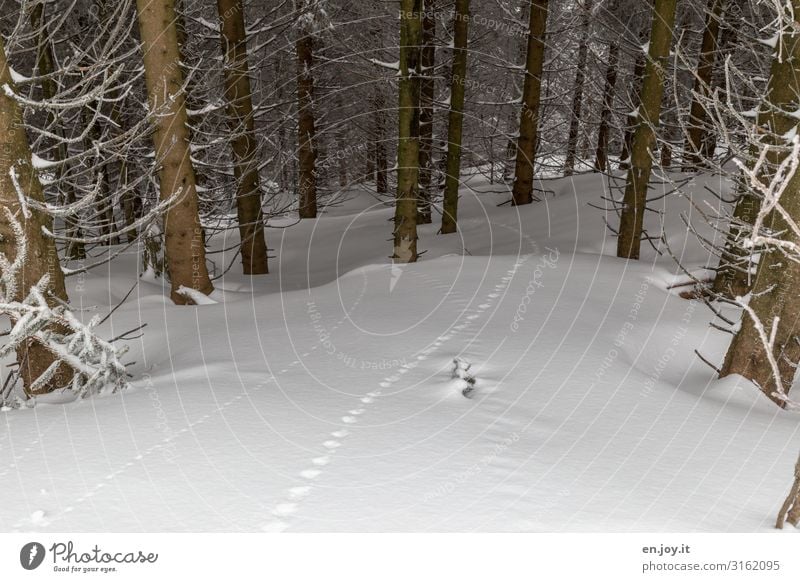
(290, 505)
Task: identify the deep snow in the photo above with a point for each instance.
(321, 397)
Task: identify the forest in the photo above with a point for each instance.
(407, 265)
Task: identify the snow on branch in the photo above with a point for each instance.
(95, 362)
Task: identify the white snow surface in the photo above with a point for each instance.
(321, 397)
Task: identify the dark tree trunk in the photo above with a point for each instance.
(604, 131)
(775, 301)
(405, 218)
(696, 137)
(427, 96)
(635, 199)
(306, 138)
(577, 98)
(238, 97)
(45, 64)
(41, 258)
(456, 118)
(627, 141)
(522, 192)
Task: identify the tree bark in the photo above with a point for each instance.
(627, 140)
(306, 138)
(239, 100)
(381, 161)
(604, 131)
(405, 218)
(427, 96)
(42, 257)
(696, 132)
(456, 117)
(522, 192)
(45, 65)
(185, 250)
(635, 199)
(775, 300)
(577, 98)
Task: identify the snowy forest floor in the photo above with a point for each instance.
(320, 397)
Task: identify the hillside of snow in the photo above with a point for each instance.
(321, 397)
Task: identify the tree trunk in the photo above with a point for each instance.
(775, 300)
(243, 143)
(522, 192)
(405, 218)
(604, 131)
(381, 161)
(306, 138)
(790, 510)
(695, 135)
(627, 141)
(427, 96)
(577, 98)
(630, 230)
(42, 257)
(456, 118)
(185, 250)
(45, 65)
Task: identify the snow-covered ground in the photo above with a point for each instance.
(321, 397)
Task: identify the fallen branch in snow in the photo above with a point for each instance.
(95, 362)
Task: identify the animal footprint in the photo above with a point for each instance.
(310, 473)
(284, 509)
(299, 492)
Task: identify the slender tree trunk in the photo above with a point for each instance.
(306, 138)
(627, 141)
(519, 59)
(522, 192)
(630, 230)
(456, 120)
(577, 99)
(381, 160)
(185, 250)
(427, 96)
(243, 141)
(604, 131)
(405, 218)
(775, 300)
(41, 257)
(696, 132)
(45, 65)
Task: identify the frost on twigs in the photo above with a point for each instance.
(95, 363)
(465, 380)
